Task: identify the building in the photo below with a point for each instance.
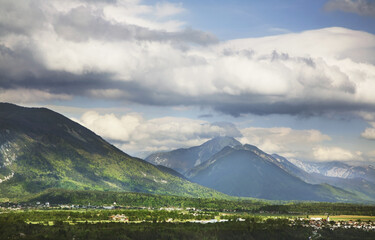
(119, 218)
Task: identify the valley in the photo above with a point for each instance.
(60, 180)
(62, 222)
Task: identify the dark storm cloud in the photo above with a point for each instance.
(18, 69)
(242, 104)
(304, 109)
(236, 105)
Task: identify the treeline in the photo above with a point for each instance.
(130, 199)
(249, 229)
(41, 216)
(100, 198)
(273, 229)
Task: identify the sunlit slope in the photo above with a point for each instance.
(41, 149)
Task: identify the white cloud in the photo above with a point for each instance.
(335, 154)
(361, 7)
(314, 79)
(369, 133)
(368, 116)
(132, 133)
(166, 9)
(127, 50)
(371, 154)
(111, 127)
(284, 141)
(149, 16)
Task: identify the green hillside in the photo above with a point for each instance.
(41, 149)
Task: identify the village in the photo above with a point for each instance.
(315, 223)
(332, 225)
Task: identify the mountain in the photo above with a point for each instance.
(184, 159)
(359, 186)
(247, 171)
(350, 178)
(285, 164)
(41, 149)
(337, 169)
(170, 171)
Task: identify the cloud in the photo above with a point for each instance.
(367, 116)
(205, 116)
(279, 30)
(83, 23)
(11, 22)
(127, 51)
(369, 133)
(132, 133)
(360, 7)
(166, 9)
(27, 96)
(111, 127)
(371, 154)
(335, 154)
(284, 141)
(230, 129)
(154, 17)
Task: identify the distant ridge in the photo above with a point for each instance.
(359, 180)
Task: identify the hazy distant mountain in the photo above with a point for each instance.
(337, 169)
(350, 178)
(291, 168)
(41, 149)
(184, 159)
(249, 172)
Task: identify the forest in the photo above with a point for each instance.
(131, 199)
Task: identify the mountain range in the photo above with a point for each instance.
(337, 169)
(41, 149)
(246, 171)
(357, 179)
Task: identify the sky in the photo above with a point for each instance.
(294, 77)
